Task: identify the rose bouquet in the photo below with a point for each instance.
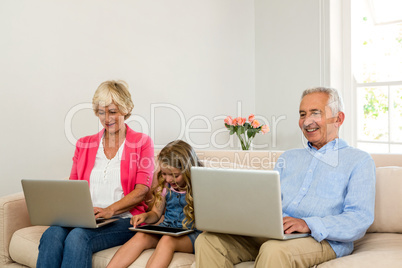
(245, 130)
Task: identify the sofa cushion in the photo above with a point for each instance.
(24, 250)
(180, 260)
(246, 264)
(24, 245)
(13, 216)
(388, 203)
(373, 250)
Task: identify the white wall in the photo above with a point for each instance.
(187, 57)
(189, 63)
(289, 58)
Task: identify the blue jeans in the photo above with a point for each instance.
(73, 247)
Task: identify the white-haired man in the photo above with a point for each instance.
(328, 191)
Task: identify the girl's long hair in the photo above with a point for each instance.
(178, 154)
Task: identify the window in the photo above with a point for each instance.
(377, 71)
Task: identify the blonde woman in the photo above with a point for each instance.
(174, 193)
(118, 164)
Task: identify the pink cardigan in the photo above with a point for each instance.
(137, 163)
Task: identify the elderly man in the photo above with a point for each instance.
(328, 191)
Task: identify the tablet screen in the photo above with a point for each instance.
(161, 230)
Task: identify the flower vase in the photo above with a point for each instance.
(245, 143)
(244, 130)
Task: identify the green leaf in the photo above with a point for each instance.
(251, 133)
(240, 130)
(232, 130)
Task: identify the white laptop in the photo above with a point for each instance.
(65, 203)
(239, 201)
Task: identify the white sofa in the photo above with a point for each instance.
(380, 247)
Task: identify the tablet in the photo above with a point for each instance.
(161, 230)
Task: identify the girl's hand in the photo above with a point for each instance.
(138, 219)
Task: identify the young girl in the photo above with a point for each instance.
(173, 192)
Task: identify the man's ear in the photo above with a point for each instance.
(339, 119)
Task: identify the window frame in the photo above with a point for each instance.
(349, 131)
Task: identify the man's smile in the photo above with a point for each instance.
(311, 129)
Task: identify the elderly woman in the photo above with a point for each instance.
(118, 164)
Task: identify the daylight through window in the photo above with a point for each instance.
(377, 71)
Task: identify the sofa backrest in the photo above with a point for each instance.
(388, 205)
(241, 159)
(265, 159)
(387, 160)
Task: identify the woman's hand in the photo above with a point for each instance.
(125, 204)
(138, 219)
(105, 213)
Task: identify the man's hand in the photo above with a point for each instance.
(291, 225)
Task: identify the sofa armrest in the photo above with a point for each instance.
(13, 216)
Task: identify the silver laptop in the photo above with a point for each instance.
(65, 203)
(239, 201)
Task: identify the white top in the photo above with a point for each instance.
(105, 184)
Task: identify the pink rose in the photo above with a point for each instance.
(240, 121)
(265, 129)
(255, 123)
(251, 118)
(229, 121)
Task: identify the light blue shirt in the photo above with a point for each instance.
(332, 189)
